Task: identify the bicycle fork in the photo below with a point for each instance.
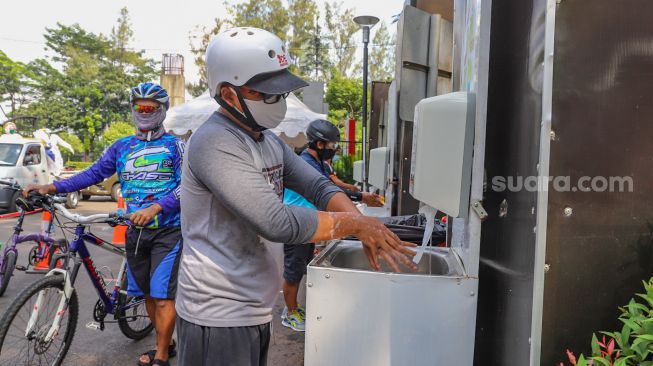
(61, 309)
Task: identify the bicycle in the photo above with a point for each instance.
(45, 245)
(34, 320)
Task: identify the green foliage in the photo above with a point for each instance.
(308, 50)
(270, 15)
(382, 56)
(341, 28)
(632, 345)
(117, 130)
(85, 86)
(344, 96)
(14, 82)
(322, 40)
(266, 14)
(79, 165)
(74, 141)
(199, 41)
(344, 169)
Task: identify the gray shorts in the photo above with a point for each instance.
(230, 346)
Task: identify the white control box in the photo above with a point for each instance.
(443, 141)
(379, 167)
(358, 171)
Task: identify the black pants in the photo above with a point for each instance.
(229, 346)
(296, 258)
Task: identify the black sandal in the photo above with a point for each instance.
(172, 352)
(160, 362)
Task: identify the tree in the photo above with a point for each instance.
(86, 88)
(308, 50)
(117, 130)
(14, 82)
(74, 141)
(382, 62)
(297, 24)
(120, 37)
(341, 29)
(265, 14)
(199, 51)
(344, 96)
(270, 15)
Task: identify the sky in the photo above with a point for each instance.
(160, 26)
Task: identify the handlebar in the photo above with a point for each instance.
(10, 184)
(91, 218)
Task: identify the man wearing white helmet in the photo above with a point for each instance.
(232, 211)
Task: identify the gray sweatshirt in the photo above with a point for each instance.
(231, 210)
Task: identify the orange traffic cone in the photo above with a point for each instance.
(46, 227)
(120, 231)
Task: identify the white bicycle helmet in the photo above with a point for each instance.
(252, 57)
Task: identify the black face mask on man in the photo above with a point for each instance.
(326, 154)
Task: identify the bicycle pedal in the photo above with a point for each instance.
(93, 325)
(20, 268)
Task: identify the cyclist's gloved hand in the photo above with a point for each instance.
(43, 189)
(144, 216)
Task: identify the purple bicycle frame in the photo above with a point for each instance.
(16, 239)
(78, 246)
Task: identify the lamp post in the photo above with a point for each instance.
(366, 22)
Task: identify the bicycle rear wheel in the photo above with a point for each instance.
(16, 348)
(133, 321)
(5, 273)
(132, 316)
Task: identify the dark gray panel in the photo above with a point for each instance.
(406, 203)
(377, 124)
(602, 115)
(512, 149)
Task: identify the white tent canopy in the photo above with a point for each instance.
(187, 117)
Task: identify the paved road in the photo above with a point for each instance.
(111, 347)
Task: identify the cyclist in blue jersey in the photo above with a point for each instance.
(323, 138)
(148, 165)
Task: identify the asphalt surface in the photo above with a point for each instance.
(110, 347)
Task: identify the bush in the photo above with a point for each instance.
(344, 169)
(633, 344)
(79, 165)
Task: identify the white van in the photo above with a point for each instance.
(23, 160)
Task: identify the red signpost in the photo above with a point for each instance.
(351, 137)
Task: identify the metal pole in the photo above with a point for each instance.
(366, 40)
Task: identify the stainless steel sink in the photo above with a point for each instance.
(350, 255)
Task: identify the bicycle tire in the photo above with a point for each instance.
(124, 323)
(32, 255)
(54, 282)
(10, 264)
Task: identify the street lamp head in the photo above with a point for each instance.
(366, 20)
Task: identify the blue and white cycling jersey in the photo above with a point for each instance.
(149, 172)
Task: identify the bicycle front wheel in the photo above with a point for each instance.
(20, 346)
(7, 271)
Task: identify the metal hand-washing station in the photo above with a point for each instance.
(358, 317)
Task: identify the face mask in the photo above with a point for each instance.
(326, 154)
(149, 126)
(267, 115)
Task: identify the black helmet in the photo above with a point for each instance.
(322, 130)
